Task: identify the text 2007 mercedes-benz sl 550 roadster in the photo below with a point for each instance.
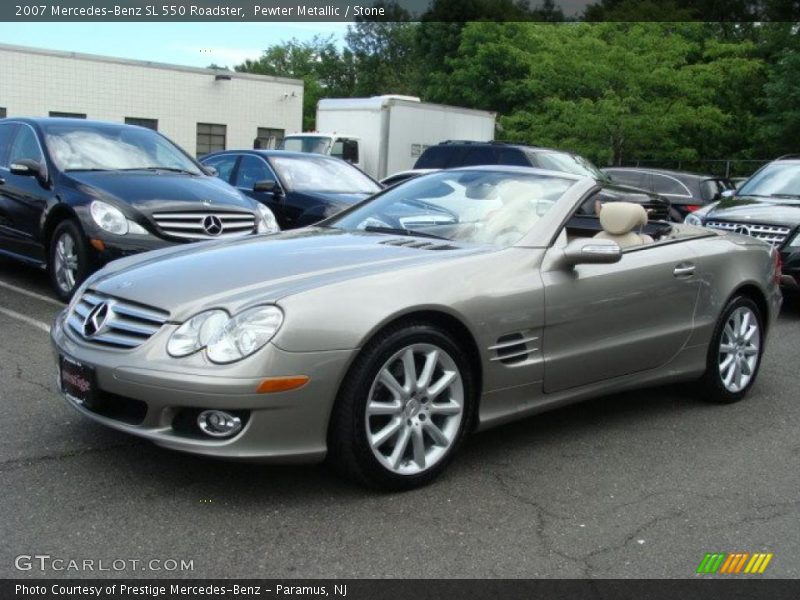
(382, 336)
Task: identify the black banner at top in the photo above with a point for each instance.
(399, 10)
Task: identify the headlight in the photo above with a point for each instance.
(109, 218)
(266, 220)
(226, 339)
(195, 333)
(693, 220)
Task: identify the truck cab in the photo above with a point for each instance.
(345, 147)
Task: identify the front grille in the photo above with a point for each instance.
(774, 234)
(205, 225)
(122, 324)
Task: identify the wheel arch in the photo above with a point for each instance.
(446, 321)
(55, 216)
(754, 293)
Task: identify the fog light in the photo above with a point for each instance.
(217, 423)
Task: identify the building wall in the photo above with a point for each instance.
(35, 82)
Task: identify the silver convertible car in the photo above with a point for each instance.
(382, 336)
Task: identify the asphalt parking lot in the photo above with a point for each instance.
(639, 484)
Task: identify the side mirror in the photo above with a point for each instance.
(350, 151)
(209, 170)
(27, 167)
(728, 193)
(266, 185)
(591, 251)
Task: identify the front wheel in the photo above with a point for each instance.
(734, 356)
(68, 262)
(403, 409)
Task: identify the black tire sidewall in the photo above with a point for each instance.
(349, 436)
(715, 390)
(81, 249)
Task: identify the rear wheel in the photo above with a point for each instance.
(734, 356)
(403, 409)
(68, 262)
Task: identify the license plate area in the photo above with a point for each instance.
(77, 380)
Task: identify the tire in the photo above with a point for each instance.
(68, 259)
(720, 383)
(397, 435)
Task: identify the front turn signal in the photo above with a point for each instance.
(281, 384)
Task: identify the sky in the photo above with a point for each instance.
(191, 44)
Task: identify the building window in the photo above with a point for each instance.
(268, 138)
(210, 138)
(2, 112)
(67, 115)
(149, 123)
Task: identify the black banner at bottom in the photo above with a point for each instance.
(401, 589)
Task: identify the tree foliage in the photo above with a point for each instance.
(613, 91)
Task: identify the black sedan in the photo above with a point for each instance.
(76, 194)
(767, 207)
(299, 188)
(686, 191)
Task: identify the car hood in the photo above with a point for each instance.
(149, 192)
(187, 279)
(758, 210)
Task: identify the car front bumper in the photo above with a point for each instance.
(282, 427)
(791, 269)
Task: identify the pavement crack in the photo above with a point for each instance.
(17, 463)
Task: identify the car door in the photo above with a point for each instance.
(24, 198)
(254, 169)
(609, 320)
(6, 137)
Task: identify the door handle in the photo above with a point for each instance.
(683, 270)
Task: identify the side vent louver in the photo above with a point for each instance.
(513, 348)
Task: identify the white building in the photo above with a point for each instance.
(202, 110)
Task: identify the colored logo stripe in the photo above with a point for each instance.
(734, 563)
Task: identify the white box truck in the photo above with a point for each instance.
(386, 134)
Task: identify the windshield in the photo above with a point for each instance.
(473, 207)
(84, 147)
(311, 144)
(779, 179)
(569, 163)
(318, 174)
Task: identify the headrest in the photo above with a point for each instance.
(618, 218)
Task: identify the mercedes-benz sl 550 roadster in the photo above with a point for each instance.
(384, 335)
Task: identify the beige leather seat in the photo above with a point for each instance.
(619, 220)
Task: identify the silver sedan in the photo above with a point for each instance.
(378, 339)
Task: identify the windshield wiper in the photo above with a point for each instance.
(84, 170)
(792, 196)
(401, 231)
(170, 169)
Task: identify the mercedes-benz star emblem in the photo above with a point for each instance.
(96, 319)
(742, 229)
(212, 225)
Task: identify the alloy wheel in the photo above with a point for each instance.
(414, 409)
(739, 348)
(66, 262)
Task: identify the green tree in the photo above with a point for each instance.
(611, 91)
(324, 69)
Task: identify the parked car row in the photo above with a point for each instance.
(767, 207)
(76, 194)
